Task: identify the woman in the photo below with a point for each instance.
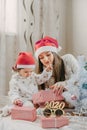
(64, 79)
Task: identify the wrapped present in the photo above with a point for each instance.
(23, 113)
(45, 96)
(54, 122)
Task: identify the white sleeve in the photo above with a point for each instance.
(43, 77)
(14, 91)
(71, 69)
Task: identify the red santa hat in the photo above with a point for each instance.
(46, 44)
(24, 60)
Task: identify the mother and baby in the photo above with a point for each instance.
(61, 74)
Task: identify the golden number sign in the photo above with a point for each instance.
(54, 108)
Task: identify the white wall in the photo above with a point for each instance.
(61, 7)
(77, 27)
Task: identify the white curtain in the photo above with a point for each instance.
(13, 37)
(2, 45)
(8, 41)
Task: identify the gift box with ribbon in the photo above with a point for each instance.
(23, 113)
(54, 122)
(45, 96)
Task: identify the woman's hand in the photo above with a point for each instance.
(18, 102)
(59, 87)
(49, 68)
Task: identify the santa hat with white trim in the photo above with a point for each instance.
(25, 60)
(46, 44)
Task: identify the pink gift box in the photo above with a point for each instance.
(45, 96)
(23, 113)
(54, 122)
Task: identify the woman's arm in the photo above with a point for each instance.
(71, 69)
(71, 74)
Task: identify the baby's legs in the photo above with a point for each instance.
(6, 110)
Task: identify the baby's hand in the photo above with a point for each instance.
(18, 102)
(49, 68)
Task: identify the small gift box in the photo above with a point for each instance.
(45, 96)
(23, 113)
(54, 122)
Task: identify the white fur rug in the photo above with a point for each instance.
(76, 123)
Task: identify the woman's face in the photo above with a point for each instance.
(46, 58)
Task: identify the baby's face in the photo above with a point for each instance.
(25, 72)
